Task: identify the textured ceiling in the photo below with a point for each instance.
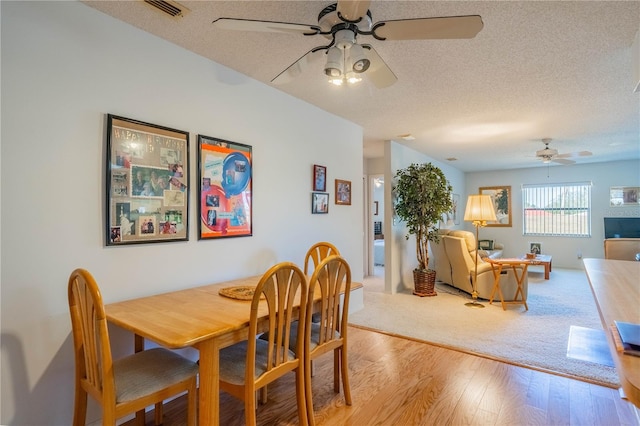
(557, 69)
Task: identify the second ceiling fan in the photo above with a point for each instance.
(341, 23)
(550, 155)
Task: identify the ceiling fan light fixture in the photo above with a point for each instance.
(344, 39)
(335, 63)
(360, 62)
(333, 72)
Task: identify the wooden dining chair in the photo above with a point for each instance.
(250, 365)
(331, 278)
(317, 253)
(314, 256)
(126, 385)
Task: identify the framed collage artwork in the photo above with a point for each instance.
(226, 184)
(146, 183)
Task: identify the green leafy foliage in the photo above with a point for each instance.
(422, 196)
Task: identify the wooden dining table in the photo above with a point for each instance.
(616, 291)
(196, 317)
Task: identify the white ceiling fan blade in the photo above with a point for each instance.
(429, 28)
(265, 26)
(562, 161)
(574, 154)
(379, 72)
(298, 67)
(352, 10)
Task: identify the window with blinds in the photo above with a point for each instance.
(559, 209)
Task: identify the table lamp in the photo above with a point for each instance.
(479, 210)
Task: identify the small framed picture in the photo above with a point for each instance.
(319, 202)
(319, 178)
(343, 192)
(624, 196)
(535, 248)
(485, 244)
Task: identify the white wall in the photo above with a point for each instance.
(64, 66)
(563, 249)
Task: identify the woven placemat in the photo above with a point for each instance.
(240, 292)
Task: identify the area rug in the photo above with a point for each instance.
(537, 338)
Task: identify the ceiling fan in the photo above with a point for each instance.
(549, 155)
(342, 23)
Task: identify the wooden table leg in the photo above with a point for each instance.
(496, 284)
(520, 289)
(209, 393)
(547, 270)
(138, 343)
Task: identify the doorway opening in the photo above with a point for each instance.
(376, 224)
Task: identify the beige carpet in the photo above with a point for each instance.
(536, 338)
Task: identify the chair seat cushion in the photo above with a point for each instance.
(149, 371)
(233, 361)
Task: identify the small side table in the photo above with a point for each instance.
(541, 259)
(496, 267)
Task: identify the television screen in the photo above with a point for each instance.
(622, 227)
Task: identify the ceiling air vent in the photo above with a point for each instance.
(171, 8)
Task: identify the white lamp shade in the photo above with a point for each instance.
(479, 209)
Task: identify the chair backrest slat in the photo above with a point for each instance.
(332, 278)
(90, 334)
(281, 288)
(317, 253)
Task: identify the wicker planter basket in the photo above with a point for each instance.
(424, 282)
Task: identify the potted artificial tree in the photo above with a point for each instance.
(422, 196)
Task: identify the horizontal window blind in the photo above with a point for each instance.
(559, 209)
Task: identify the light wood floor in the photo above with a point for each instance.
(397, 381)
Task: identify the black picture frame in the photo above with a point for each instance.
(485, 244)
(535, 248)
(319, 202)
(147, 175)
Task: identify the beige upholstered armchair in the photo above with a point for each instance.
(440, 260)
(454, 262)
